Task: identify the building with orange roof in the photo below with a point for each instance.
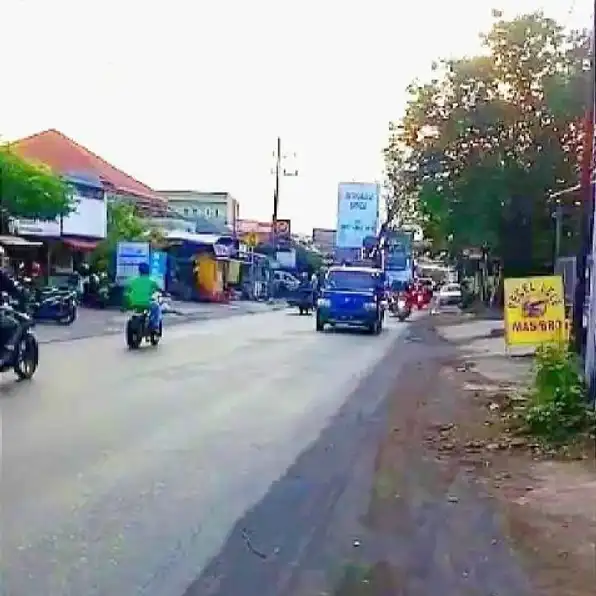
(67, 157)
(94, 182)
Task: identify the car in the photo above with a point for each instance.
(285, 282)
(449, 295)
(352, 297)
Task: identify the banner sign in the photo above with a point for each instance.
(357, 213)
(398, 250)
(534, 310)
(129, 255)
(324, 239)
(159, 265)
(283, 229)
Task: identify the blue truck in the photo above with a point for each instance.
(352, 297)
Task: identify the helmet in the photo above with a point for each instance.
(144, 269)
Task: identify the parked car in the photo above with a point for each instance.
(449, 295)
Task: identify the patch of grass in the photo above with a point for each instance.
(556, 411)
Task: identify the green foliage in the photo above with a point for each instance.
(123, 225)
(489, 130)
(31, 191)
(557, 410)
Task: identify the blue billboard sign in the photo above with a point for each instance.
(357, 213)
(158, 264)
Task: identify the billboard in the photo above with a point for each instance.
(398, 250)
(324, 239)
(357, 213)
(283, 229)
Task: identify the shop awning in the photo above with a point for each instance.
(82, 245)
(18, 242)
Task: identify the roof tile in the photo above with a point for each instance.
(67, 157)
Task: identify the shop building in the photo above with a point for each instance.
(94, 182)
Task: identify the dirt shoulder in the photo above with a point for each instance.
(456, 509)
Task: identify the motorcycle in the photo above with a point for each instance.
(304, 300)
(97, 291)
(403, 309)
(139, 329)
(48, 304)
(24, 358)
(400, 307)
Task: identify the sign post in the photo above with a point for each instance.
(535, 311)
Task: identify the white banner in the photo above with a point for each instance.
(129, 255)
(357, 213)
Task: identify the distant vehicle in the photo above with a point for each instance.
(427, 282)
(400, 306)
(303, 300)
(285, 280)
(449, 295)
(352, 296)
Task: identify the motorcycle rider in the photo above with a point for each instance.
(9, 325)
(139, 295)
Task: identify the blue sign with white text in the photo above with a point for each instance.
(159, 263)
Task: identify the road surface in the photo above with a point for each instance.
(94, 322)
(123, 473)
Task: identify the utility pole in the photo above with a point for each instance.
(279, 172)
(558, 228)
(587, 199)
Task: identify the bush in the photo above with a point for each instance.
(557, 410)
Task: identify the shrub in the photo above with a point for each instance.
(557, 410)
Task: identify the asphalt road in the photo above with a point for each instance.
(124, 473)
(94, 322)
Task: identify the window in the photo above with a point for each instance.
(217, 213)
(352, 280)
(207, 211)
(194, 211)
(185, 210)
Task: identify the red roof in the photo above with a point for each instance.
(66, 156)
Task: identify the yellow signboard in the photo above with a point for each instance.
(251, 239)
(534, 310)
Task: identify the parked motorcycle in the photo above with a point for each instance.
(97, 291)
(24, 358)
(139, 329)
(48, 304)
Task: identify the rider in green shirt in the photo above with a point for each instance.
(139, 295)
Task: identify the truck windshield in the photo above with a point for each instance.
(352, 280)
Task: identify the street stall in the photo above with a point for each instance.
(201, 266)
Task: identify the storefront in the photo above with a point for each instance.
(67, 241)
(201, 266)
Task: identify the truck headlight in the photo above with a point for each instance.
(323, 303)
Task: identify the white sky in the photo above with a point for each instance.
(192, 94)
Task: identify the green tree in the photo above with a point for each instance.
(484, 143)
(30, 190)
(123, 225)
